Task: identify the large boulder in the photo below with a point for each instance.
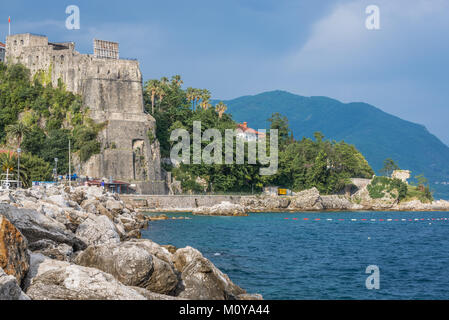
(225, 208)
(10, 289)
(307, 200)
(201, 280)
(78, 195)
(97, 230)
(90, 205)
(116, 207)
(36, 226)
(6, 197)
(154, 296)
(64, 281)
(264, 203)
(53, 250)
(39, 264)
(139, 263)
(58, 200)
(336, 202)
(14, 257)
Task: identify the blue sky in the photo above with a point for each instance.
(242, 47)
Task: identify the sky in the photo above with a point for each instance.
(245, 47)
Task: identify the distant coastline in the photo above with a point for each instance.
(309, 201)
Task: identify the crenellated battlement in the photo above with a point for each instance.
(112, 90)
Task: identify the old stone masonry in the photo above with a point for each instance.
(112, 90)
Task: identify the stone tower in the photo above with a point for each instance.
(112, 90)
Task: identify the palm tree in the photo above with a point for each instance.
(164, 81)
(18, 131)
(8, 161)
(176, 80)
(205, 99)
(161, 94)
(191, 96)
(221, 108)
(198, 94)
(152, 87)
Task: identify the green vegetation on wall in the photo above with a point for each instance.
(41, 118)
(383, 186)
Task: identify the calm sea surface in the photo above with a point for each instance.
(283, 258)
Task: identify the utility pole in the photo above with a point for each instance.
(56, 170)
(18, 167)
(70, 165)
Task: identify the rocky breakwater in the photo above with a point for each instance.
(307, 200)
(84, 244)
(225, 208)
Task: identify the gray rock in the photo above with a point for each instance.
(58, 200)
(154, 296)
(201, 280)
(225, 208)
(10, 289)
(72, 282)
(309, 200)
(114, 206)
(6, 197)
(134, 263)
(53, 250)
(250, 297)
(336, 202)
(97, 230)
(36, 226)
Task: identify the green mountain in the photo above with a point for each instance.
(378, 135)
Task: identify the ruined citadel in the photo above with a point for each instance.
(112, 90)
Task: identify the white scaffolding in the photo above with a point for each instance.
(106, 49)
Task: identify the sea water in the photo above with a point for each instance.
(321, 255)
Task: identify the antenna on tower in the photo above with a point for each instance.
(9, 26)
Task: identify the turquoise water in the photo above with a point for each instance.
(283, 258)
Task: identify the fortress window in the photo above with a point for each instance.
(62, 58)
(21, 42)
(37, 58)
(15, 42)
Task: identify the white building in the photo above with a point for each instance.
(248, 134)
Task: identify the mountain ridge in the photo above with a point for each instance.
(376, 133)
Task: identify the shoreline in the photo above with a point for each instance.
(305, 201)
(190, 211)
(62, 243)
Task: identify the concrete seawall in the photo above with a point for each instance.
(176, 203)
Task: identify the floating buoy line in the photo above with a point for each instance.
(368, 220)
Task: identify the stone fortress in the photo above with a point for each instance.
(112, 90)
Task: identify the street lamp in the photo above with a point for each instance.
(19, 184)
(56, 169)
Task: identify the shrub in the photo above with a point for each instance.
(381, 186)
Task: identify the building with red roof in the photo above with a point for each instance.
(248, 134)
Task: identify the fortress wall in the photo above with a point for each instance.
(112, 90)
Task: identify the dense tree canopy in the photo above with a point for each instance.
(302, 164)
